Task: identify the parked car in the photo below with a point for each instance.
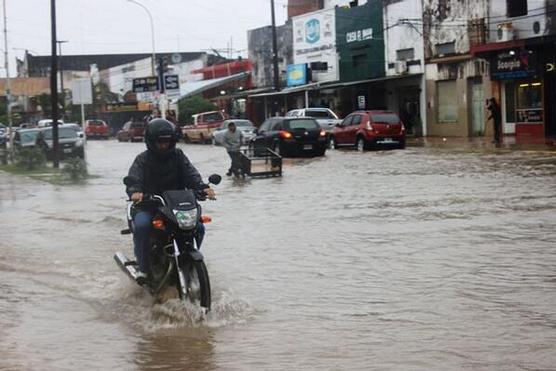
(3, 135)
(75, 127)
(291, 136)
(203, 125)
(324, 116)
(366, 129)
(25, 138)
(132, 131)
(245, 126)
(70, 144)
(47, 122)
(97, 129)
(26, 125)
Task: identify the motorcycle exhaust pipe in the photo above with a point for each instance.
(129, 267)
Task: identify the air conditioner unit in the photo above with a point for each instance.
(505, 32)
(400, 67)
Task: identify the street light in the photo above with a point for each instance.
(152, 31)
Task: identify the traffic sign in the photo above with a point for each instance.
(171, 82)
(145, 84)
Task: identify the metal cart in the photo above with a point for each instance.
(260, 162)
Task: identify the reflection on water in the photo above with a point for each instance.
(428, 258)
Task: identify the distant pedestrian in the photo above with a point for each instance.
(233, 139)
(496, 116)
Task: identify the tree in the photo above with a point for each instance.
(192, 105)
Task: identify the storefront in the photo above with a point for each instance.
(516, 75)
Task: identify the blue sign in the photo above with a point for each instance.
(312, 30)
(296, 74)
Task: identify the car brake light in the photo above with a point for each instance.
(322, 133)
(285, 134)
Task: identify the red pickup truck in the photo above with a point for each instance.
(97, 129)
(203, 125)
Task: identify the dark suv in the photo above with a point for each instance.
(69, 143)
(291, 136)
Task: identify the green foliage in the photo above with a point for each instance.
(30, 158)
(192, 105)
(75, 169)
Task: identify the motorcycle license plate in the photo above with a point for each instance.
(307, 146)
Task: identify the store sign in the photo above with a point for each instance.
(359, 35)
(296, 74)
(512, 65)
(145, 84)
(550, 67)
(312, 31)
(529, 116)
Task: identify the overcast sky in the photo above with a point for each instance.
(119, 26)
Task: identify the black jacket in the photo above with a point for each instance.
(157, 174)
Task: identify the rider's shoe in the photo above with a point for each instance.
(142, 278)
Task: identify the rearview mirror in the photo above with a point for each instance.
(215, 179)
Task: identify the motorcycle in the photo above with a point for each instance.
(176, 261)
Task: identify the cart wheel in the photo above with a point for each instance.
(276, 148)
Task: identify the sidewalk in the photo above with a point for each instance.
(478, 143)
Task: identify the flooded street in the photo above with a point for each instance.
(427, 258)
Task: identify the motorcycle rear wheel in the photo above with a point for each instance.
(198, 284)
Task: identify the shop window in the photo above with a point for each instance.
(447, 102)
(516, 8)
(529, 95)
(405, 54)
(509, 90)
(446, 48)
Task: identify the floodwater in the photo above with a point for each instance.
(424, 259)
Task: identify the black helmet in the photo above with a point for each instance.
(160, 129)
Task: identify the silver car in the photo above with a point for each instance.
(245, 126)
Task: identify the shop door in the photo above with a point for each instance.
(477, 109)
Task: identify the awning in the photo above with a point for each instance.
(492, 47)
(289, 90)
(196, 87)
(350, 83)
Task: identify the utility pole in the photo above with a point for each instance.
(274, 49)
(61, 69)
(8, 86)
(54, 87)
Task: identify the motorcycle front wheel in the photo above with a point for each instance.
(198, 284)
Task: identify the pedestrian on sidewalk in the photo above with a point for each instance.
(233, 139)
(496, 116)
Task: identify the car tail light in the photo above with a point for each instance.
(322, 133)
(158, 223)
(205, 219)
(368, 126)
(285, 134)
(403, 128)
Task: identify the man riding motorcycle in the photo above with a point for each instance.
(162, 167)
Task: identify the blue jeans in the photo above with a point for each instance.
(141, 237)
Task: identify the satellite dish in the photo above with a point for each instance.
(176, 58)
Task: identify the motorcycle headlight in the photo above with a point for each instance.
(187, 219)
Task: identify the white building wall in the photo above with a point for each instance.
(448, 20)
(316, 44)
(503, 28)
(403, 30)
(120, 78)
(334, 3)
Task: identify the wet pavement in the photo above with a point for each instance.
(435, 257)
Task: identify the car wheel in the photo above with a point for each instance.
(361, 145)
